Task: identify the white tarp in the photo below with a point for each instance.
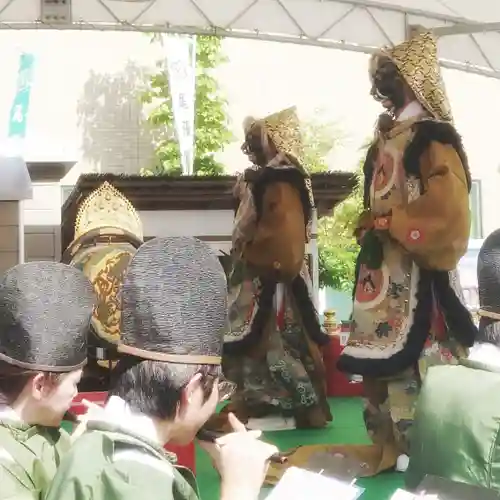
(359, 25)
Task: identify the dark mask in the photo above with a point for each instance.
(388, 84)
(252, 147)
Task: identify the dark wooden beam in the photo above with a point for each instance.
(189, 193)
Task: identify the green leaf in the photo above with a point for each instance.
(337, 246)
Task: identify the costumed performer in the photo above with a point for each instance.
(408, 310)
(45, 311)
(273, 351)
(165, 386)
(456, 432)
(108, 232)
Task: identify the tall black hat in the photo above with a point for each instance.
(174, 303)
(45, 312)
(488, 275)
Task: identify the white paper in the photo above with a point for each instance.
(297, 484)
(271, 423)
(406, 495)
(403, 495)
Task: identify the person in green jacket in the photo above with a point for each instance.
(456, 431)
(45, 310)
(164, 388)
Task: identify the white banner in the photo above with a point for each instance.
(181, 70)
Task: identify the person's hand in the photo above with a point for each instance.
(92, 409)
(241, 460)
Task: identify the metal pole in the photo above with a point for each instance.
(313, 248)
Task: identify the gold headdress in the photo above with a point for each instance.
(106, 207)
(283, 128)
(105, 212)
(417, 61)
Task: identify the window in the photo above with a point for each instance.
(476, 202)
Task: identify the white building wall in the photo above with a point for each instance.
(85, 100)
(476, 108)
(213, 226)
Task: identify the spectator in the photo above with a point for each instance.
(457, 420)
(165, 387)
(45, 310)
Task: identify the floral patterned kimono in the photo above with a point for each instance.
(273, 349)
(408, 310)
(282, 373)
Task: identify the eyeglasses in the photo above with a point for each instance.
(226, 388)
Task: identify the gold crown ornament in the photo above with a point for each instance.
(417, 61)
(106, 207)
(283, 128)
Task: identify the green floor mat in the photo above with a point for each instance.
(347, 428)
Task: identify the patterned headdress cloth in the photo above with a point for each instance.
(105, 266)
(107, 208)
(417, 61)
(106, 213)
(174, 303)
(488, 274)
(283, 128)
(45, 311)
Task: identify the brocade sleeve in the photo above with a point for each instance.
(435, 227)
